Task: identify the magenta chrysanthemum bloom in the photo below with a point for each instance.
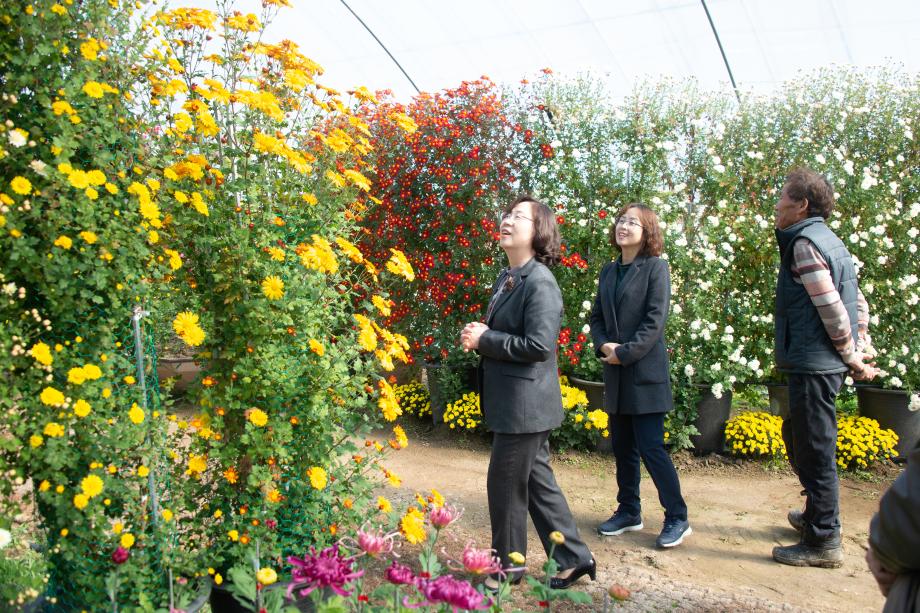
(374, 543)
(327, 568)
(120, 555)
(443, 516)
(459, 594)
(399, 574)
(480, 561)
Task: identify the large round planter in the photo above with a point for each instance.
(711, 416)
(890, 408)
(595, 393)
(433, 372)
(779, 399)
(183, 368)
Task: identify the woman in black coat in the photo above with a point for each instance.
(520, 394)
(627, 326)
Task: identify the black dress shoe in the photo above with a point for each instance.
(561, 583)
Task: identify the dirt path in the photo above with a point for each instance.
(737, 512)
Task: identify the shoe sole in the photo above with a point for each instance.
(687, 532)
(812, 563)
(635, 528)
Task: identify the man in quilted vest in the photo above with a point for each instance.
(821, 328)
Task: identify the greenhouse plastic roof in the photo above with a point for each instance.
(441, 43)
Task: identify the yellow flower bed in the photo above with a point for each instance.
(755, 434)
(861, 442)
(464, 413)
(580, 426)
(413, 399)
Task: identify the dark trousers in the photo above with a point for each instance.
(521, 480)
(810, 435)
(638, 437)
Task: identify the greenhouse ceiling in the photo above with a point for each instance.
(407, 44)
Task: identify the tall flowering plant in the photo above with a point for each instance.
(263, 172)
(443, 172)
(77, 253)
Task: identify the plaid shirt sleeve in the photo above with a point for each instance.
(810, 269)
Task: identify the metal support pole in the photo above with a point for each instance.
(140, 313)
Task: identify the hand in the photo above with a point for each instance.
(610, 353)
(883, 576)
(469, 337)
(861, 369)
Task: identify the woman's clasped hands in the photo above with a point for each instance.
(469, 336)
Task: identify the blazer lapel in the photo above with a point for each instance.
(517, 280)
(630, 276)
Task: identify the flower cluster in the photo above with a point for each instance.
(581, 425)
(755, 434)
(465, 414)
(413, 399)
(861, 442)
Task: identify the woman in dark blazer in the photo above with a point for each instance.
(520, 394)
(627, 326)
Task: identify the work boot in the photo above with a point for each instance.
(796, 521)
(822, 554)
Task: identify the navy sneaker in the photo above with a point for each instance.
(673, 532)
(620, 523)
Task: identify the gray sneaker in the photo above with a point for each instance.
(620, 523)
(673, 533)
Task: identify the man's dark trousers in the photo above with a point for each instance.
(810, 434)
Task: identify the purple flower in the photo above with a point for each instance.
(399, 574)
(454, 592)
(120, 555)
(327, 568)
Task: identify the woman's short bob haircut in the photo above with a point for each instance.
(806, 184)
(652, 240)
(546, 239)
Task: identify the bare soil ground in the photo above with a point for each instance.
(737, 511)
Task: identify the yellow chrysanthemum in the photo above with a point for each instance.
(81, 408)
(384, 505)
(52, 397)
(21, 186)
(387, 402)
(136, 414)
(92, 485)
(80, 501)
(273, 287)
(318, 477)
(53, 429)
(276, 254)
(175, 260)
(382, 304)
(197, 464)
(412, 526)
(258, 417)
(399, 265)
(93, 89)
(126, 540)
(317, 347)
(89, 237)
(266, 576)
(41, 353)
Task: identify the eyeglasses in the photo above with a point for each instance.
(630, 223)
(515, 218)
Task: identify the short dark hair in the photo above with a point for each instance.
(546, 239)
(652, 239)
(806, 184)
